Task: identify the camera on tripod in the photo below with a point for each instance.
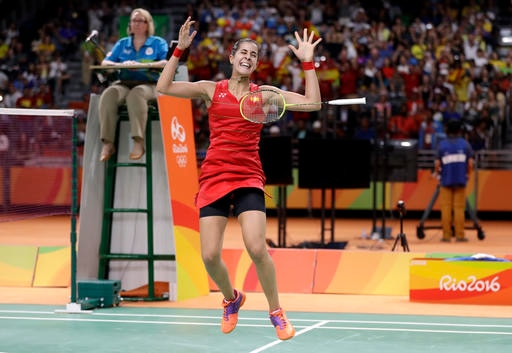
(401, 236)
(401, 206)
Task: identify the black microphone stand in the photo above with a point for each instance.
(401, 236)
(93, 39)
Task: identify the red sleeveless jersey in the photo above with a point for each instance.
(232, 160)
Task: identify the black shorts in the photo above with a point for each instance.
(240, 200)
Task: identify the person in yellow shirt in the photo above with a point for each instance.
(46, 48)
(496, 61)
(460, 79)
(4, 48)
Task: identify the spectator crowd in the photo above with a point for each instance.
(418, 65)
(417, 68)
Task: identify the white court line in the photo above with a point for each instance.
(419, 323)
(298, 333)
(412, 323)
(118, 314)
(26, 312)
(75, 319)
(415, 330)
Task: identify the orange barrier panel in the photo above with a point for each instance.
(17, 265)
(362, 272)
(57, 190)
(43, 186)
(416, 195)
(325, 271)
(53, 267)
(309, 271)
(295, 270)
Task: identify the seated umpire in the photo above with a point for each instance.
(135, 86)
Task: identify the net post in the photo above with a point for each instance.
(74, 186)
(74, 307)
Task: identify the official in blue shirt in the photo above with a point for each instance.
(136, 86)
(455, 160)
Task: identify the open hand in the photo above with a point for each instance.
(306, 47)
(185, 37)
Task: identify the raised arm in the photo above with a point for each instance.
(305, 51)
(166, 84)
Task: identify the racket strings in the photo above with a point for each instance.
(274, 107)
(252, 108)
(263, 106)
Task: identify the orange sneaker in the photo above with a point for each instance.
(284, 328)
(230, 317)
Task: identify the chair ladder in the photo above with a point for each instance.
(105, 254)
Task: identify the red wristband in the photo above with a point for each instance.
(177, 52)
(308, 65)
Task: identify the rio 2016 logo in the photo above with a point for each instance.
(448, 283)
(177, 130)
(179, 147)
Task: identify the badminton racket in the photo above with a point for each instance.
(267, 105)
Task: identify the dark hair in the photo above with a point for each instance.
(453, 126)
(236, 46)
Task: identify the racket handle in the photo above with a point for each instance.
(348, 101)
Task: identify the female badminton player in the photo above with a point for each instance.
(231, 176)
